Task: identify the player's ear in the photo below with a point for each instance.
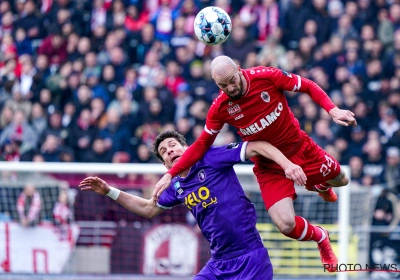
(239, 69)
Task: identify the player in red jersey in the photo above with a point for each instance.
(253, 101)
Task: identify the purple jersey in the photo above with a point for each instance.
(213, 194)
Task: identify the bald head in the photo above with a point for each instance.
(228, 77)
(221, 65)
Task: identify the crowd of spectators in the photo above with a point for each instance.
(96, 81)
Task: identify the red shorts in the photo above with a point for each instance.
(317, 164)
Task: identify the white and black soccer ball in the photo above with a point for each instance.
(212, 26)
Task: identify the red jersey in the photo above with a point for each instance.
(261, 114)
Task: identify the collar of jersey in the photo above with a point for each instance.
(247, 80)
(183, 178)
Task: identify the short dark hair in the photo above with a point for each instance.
(164, 135)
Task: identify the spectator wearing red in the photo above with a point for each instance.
(29, 206)
(61, 212)
(55, 48)
(134, 21)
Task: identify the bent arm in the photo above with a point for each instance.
(317, 94)
(194, 153)
(265, 149)
(293, 82)
(138, 205)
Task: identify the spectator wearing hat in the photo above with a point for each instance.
(10, 150)
(93, 82)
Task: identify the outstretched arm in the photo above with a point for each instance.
(342, 117)
(192, 155)
(265, 149)
(135, 204)
(292, 82)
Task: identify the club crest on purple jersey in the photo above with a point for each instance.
(201, 175)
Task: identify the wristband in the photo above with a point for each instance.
(113, 193)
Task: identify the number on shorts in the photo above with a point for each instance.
(325, 168)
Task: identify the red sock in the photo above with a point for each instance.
(304, 231)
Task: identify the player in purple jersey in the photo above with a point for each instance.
(213, 194)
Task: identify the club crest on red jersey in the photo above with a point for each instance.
(233, 110)
(265, 96)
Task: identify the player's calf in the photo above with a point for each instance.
(339, 181)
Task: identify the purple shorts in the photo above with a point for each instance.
(253, 265)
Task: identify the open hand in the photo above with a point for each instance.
(161, 186)
(95, 184)
(296, 173)
(343, 117)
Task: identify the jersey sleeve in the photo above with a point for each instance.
(197, 150)
(292, 82)
(226, 156)
(168, 198)
(213, 122)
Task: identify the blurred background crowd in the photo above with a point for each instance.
(96, 81)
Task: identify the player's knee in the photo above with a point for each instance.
(345, 180)
(285, 224)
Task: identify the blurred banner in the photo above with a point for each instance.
(39, 249)
(170, 249)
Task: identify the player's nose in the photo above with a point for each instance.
(231, 88)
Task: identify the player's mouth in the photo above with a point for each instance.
(175, 158)
(235, 95)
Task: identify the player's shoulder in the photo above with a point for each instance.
(263, 72)
(219, 100)
(215, 150)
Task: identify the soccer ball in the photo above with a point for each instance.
(212, 26)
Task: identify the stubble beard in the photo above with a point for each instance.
(240, 92)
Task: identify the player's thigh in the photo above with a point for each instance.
(283, 215)
(274, 187)
(318, 165)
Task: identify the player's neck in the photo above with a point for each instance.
(244, 83)
(184, 173)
